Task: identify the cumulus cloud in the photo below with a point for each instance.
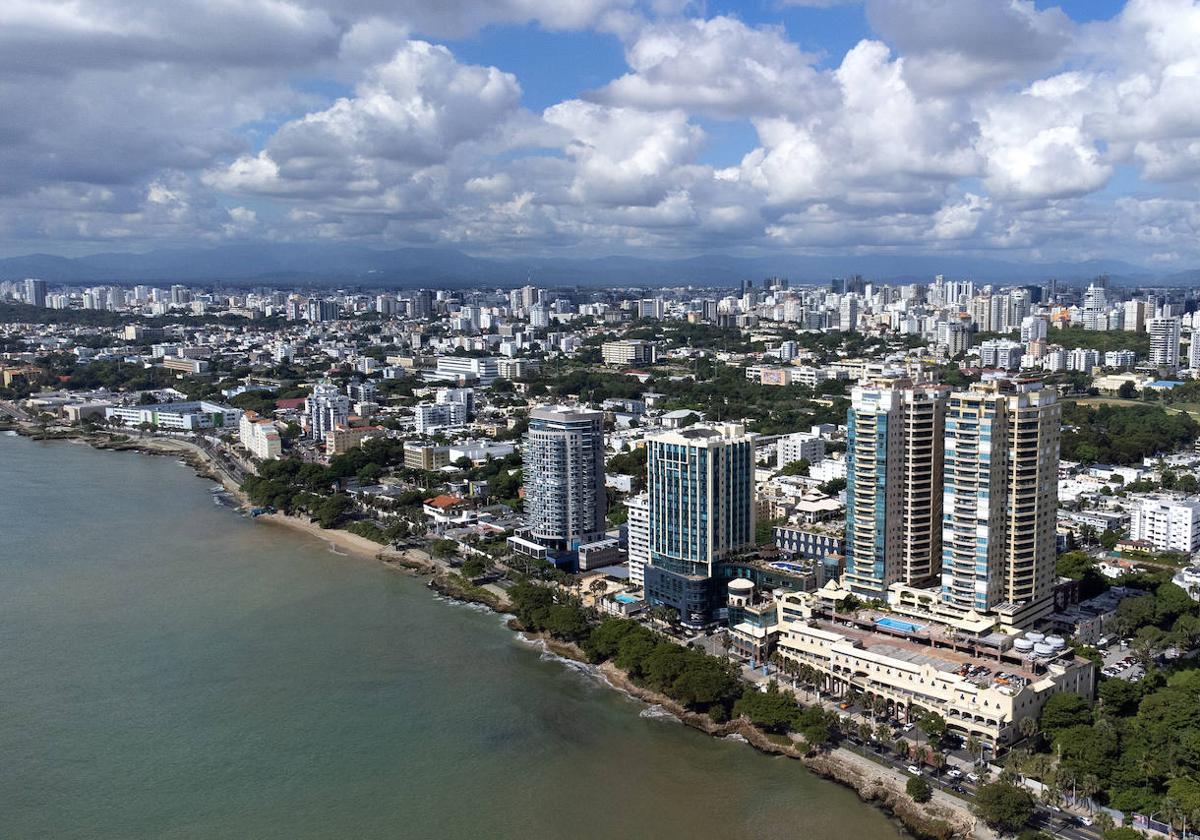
(967, 125)
(961, 45)
(719, 66)
(409, 113)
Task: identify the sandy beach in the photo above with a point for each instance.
(337, 538)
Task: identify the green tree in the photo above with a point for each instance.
(1123, 832)
(1063, 711)
(473, 567)
(918, 789)
(1004, 806)
(443, 549)
(772, 709)
(933, 725)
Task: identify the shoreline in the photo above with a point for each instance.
(874, 785)
(937, 820)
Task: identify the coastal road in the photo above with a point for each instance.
(1057, 823)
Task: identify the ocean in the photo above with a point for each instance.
(171, 669)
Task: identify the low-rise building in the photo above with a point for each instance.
(912, 669)
(430, 417)
(182, 416)
(1170, 524)
(627, 352)
(182, 365)
(425, 456)
(259, 437)
(341, 439)
(810, 542)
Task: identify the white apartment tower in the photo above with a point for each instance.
(637, 534)
(326, 408)
(1164, 341)
(1000, 499)
(565, 502)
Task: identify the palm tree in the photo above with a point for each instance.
(777, 660)
(1064, 779)
(975, 748)
(808, 676)
(1028, 727)
(883, 733)
(1173, 812)
(1087, 787)
(879, 707)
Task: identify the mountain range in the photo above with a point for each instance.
(350, 265)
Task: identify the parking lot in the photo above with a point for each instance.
(1120, 663)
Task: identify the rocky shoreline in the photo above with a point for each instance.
(929, 820)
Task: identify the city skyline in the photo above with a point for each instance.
(1018, 131)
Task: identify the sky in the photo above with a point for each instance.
(1030, 131)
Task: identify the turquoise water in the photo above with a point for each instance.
(173, 670)
(625, 598)
(897, 624)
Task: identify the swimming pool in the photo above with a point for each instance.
(625, 598)
(794, 568)
(897, 624)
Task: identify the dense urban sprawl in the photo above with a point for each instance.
(953, 525)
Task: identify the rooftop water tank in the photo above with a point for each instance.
(1042, 649)
(1056, 642)
(1023, 645)
(741, 586)
(1035, 637)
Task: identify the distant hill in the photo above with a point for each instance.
(324, 264)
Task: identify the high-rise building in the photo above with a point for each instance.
(955, 336)
(637, 537)
(1095, 305)
(1164, 341)
(701, 488)
(565, 502)
(848, 314)
(319, 310)
(421, 305)
(35, 292)
(1033, 327)
(326, 408)
(1135, 315)
(893, 485)
(1000, 499)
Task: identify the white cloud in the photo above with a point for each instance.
(962, 45)
(623, 155)
(718, 66)
(407, 114)
(960, 125)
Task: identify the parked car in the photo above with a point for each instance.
(954, 773)
(914, 769)
(973, 778)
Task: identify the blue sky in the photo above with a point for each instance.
(1030, 129)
